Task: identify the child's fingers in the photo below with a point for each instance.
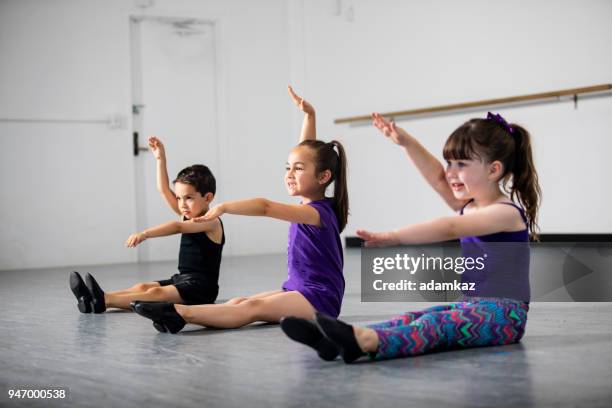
(372, 239)
(381, 125)
(380, 119)
(293, 95)
(298, 100)
(378, 125)
(366, 235)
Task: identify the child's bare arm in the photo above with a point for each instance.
(309, 128)
(163, 183)
(298, 213)
(494, 218)
(430, 168)
(170, 228)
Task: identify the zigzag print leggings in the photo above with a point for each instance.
(473, 322)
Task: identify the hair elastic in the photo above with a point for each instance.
(499, 119)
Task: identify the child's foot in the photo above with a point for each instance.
(97, 294)
(306, 332)
(164, 315)
(342, 335)
(80, 291)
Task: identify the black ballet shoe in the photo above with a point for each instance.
(342, 335)
(97, 294)
(80, 291)
(158, 325)
(306, 332)
(164, 315)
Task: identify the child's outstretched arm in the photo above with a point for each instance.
(429, 167)
(170, 228)
(489, 220)
(298, 213)
(309, 128)
(163, 183)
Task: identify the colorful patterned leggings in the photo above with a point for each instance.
(474, 322)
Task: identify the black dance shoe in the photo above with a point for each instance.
(97, 294)
(342, 335)
(306, 332)
(80, 291)
(164, 315)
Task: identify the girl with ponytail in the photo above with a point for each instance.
(491, 182)
(315, 280)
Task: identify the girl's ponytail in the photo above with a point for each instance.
(341, 201)
(525, 185)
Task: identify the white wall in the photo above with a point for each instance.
(68, 189)
(398, 55)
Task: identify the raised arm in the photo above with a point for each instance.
(170, 228)
(163, 183)
(298, 213)
(309, 128)
(429, 167)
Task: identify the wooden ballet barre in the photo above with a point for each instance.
(487, 102)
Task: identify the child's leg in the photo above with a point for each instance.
(167, 293)
(240, 299)
(270, 308)
(483, 323)
(409, 317)
(137, 288)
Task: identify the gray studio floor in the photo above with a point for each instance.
(118, 360)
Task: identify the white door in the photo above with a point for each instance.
(174, 98)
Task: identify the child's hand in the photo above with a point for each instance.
(157, 147)
(396, 134)
(378, 239)
(211, 214)
(300, 102)
(135, 239)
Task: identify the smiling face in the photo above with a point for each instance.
(190, 202)
(470, 178)
(466, 177)
(301, 177)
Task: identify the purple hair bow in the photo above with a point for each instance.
(499, 119)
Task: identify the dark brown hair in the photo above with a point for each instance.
(198, 176)
(488, 140)
(326, 158)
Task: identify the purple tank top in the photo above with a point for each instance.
(315, 260)
(506, 271)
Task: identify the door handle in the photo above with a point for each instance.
(137, 148)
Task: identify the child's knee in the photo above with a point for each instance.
(253, 307)
(156, 291)
(139, 287)
(142, 287)
(237, 300)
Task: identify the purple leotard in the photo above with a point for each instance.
(315, 261)
(506, 272)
